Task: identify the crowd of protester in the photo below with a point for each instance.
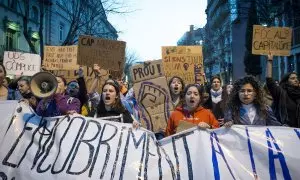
(211, 105)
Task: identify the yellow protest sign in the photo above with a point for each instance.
(60, 58)
(185, 62)
(275, 40)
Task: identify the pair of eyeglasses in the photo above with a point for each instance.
(248, 91)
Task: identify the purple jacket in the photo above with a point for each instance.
(57, 105)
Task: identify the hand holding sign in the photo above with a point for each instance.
(97, 69)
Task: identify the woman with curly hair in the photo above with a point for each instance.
(246, 105)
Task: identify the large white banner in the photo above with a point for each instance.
(76, 147)
(19, 63)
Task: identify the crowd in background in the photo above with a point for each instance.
(211, 105)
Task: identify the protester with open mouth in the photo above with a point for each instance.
(192, 112)
(246, 105)
(111, 105)
(176, 86)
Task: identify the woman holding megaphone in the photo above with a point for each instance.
(59, 103)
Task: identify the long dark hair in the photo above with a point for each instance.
(206, 89)
(4, 70)
(181, 81)
(234, 103)
(200, 91)
(118, 106)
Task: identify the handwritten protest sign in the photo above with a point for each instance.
(89, 76)
(60, 58)
(76, 147)
(276, 40)
(17, 63)
(152, 94)
(185, 62)
(147, 70)
(109, 54)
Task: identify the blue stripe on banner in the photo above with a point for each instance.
(125, 155)
(251, 154)
(272, 157)
(117, 154)
(169, 162)
(146, 158)
(142, 159)
(297, 132)
(176, 157)
(213, 135)
(188, 158)
(214, 159)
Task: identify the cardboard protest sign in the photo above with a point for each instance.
(109, 54)
(185, 62)
(60, 58)
(147, 70)
(77, 147)
(277, 40)
(184, 125)
(154, 99)
(19, 63)
(89, 76)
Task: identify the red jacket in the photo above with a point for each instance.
(199, 115)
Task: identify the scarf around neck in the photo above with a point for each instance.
(216, 96)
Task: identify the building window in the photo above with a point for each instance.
(11, 39)
(35, 13)
(61, 32)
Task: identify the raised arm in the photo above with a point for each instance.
(96, 69)
(273, 88)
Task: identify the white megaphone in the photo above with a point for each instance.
(43, 84)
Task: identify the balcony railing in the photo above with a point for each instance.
(296, 36)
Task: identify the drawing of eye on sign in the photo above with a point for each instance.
(19, 63)
(275, 40)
